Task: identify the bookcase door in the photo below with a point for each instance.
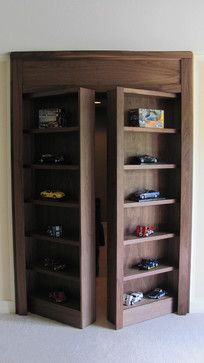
(125, 177)
(75, 213)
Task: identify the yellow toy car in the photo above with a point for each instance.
(52, 194)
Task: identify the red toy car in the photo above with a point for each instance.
(144, 231)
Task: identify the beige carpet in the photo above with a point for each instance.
(169, 339)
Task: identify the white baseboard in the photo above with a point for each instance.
(7, 307)
(197, 306)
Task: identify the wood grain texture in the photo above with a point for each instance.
(62, 313)
(115, 206)
(17, 186)
(131, 239)
(87, 205)
(144, 92)
(148, 310)
(108, 73)
(150, 130)
(186, 190)
(52, 55)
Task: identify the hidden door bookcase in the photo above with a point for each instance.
(168, 243)
(151, 79)
(75, 212)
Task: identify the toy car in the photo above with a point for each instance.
(52, 194)
(54, 231)
(57, 296)
(144, 195)
(53, 265)
(143, 159)
(52, 159)
(148, 264)
(144, 231)
(132, 298)
(157, 293)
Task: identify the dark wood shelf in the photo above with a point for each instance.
(150, 130)
(71, 303)
(131, 240)
(49, 203)
(149, 166)
(129, 204)
(52, 167)
(68, 275)
(148, 309)
(134, 273)
(51, 130)
(67, 312)
(44, 237)
(149, 93)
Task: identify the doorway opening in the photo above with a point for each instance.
(101, 123)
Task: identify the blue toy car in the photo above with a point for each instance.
(148, 264)
(145, 195)
(157, 293)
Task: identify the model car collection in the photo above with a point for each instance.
(52, 194)
(157, 293)
(53, 264)
(148, 264)
(57, 296)
(132, 298)
(144, 231)
(144, 195)
(143, 159)
(52, 159)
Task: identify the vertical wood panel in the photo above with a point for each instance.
(115, 206)
(17, 181)
(186, 183)
(87, 206)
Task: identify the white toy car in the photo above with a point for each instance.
(132, 298)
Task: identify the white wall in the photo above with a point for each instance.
(100, 24)
(6, 244)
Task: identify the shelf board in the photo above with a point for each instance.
(149, 93)
(150, 130)
(149, 166)
(68, 275)
(148, 309)
(131, 240)
(67, 312)
(44, 237)
(134, 273)
(49, 203)
(52, 167)
(51, 130)
(130, 204)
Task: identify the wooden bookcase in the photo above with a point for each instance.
(164, 79)
(75, 213)
(168, 243)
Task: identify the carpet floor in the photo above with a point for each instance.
(32, 339)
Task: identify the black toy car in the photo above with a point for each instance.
(157, 293)
(52, 159)
(143, 159)
(148, 264)
(144, 195)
